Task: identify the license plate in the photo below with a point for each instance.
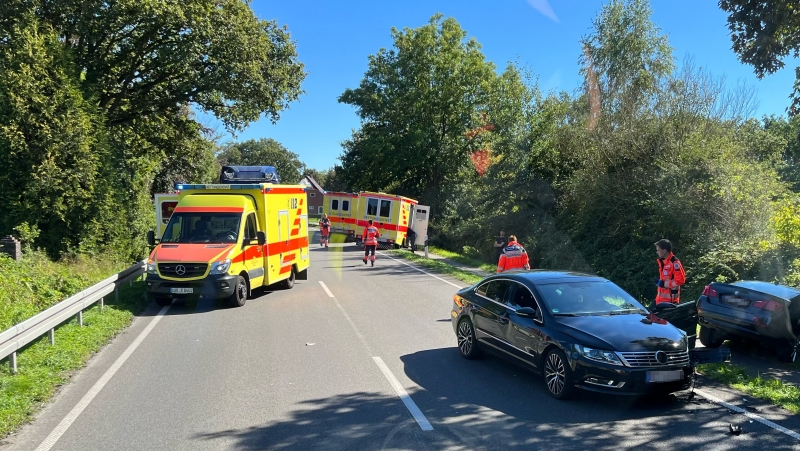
(664, 376)
(181, 290)
(735, 302)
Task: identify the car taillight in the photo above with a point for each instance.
(458, 300)
(770, 306)
(710, 292)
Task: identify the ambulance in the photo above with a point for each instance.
(221, 241)
(391, 214)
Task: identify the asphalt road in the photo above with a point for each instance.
(299, 369)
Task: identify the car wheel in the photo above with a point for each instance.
(467, 344)
(239, 296)
(289, 283)
(711, 338)
(788, 352)
(558, 375)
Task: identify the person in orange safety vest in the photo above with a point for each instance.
(670, 274)
(514, 256)
(324, 230)
(370, 237)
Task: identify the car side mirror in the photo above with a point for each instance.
(261, 237)
(526, 312)
(151, 238)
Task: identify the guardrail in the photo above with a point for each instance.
(15, 338)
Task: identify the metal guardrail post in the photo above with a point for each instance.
(80, 318)
(102, 303)
(13, 362)
(52, 337)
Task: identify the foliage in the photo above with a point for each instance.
(264, 152)
(763, 35)
(417, 102)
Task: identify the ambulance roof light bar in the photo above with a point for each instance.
(248, 174)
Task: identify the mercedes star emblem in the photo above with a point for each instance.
(180, 270)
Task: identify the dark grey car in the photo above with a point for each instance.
(755, 310)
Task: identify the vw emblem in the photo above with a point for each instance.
(661, 356)
(181, 270)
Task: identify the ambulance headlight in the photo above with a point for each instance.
(151, 267)
(221, 267)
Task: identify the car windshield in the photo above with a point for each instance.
(588, 298)
(202, 228)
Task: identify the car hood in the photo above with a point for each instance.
(625, 333)
(173, 252)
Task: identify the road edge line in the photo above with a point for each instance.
(401, 392)
(752, 416)
(425, 272)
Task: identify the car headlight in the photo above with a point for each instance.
(598, 355)
(151, 267)
(221, 267)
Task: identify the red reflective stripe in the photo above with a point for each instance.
(249, 253)
(295, 232)
(289, 258)
(297, 221)
(285, 269)
(283, 247)
(209, 210)
(285, 191)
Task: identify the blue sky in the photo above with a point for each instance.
(334, 40)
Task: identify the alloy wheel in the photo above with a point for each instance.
(555, 374)
(465, 338)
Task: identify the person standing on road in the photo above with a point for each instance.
(324, 230)
(370, 237)
(514, 256)
(499, 244)
(670, 274)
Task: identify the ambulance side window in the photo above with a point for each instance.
(334, 204)
(345, 205)
(372, 207)
(250, 228)
(386, 207)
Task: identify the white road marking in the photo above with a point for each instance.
(426, 272)
(325, 287)
(423, 422)
(752, 416)
(88, 397)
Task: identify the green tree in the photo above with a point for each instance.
(764, 33)
(264, 152)
(416, 103)
(320, 176)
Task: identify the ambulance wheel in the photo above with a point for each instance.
(289, 283)
(239, 296)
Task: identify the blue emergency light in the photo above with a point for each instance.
(248, 174)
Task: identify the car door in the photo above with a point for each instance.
(523, 335)
(683, 316)
(486, 316)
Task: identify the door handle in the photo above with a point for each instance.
(502, 320)
(473, 309)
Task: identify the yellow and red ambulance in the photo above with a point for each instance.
(391, 214)
(221, 241)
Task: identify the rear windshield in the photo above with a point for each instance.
(588, 298)
(780, 291)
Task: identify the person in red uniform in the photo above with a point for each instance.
(514, 256)
(324, 230)
(370, 237)
(670, 274)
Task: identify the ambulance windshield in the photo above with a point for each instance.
(202, 228)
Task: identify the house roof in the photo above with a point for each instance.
(312, 183)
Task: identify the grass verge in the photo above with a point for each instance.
(474, 262)
(460, 274)
(773, 391)
(44, 368)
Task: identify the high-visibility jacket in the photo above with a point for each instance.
(324, 226)
(370, 235)
(672, 276)
(513, 257)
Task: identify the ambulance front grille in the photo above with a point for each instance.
(182, 270)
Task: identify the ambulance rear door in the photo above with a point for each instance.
(419, 222)
(165, 204)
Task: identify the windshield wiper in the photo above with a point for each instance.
(625, 312)
(565, 314)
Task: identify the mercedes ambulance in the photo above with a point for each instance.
(221, 241)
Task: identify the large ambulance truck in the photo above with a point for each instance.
(393, 215)
(221, 241)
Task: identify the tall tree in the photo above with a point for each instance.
(264, 152)
(764, 33)
(416, 102)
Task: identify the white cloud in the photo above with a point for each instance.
(544, 7)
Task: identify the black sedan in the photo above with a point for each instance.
(761, 311)
(576, 330)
